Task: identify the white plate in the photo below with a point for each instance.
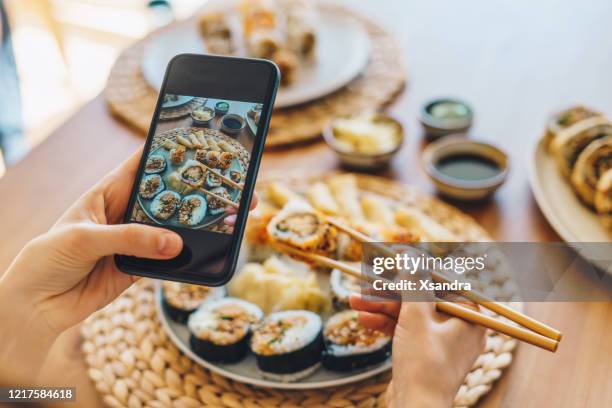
(343, 51)
(246, 370)
(182, 100)
(573, 221)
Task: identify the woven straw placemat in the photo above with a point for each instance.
(133, 362)
(131, 99)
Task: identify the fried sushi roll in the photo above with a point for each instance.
(193, 173)
(592, 163)
(298, 225)
(181, 299)
(564, 119)
(567, 145)
(350, 346)
(287, 345)
(221, 329)
(177, 155)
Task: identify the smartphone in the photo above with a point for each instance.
(200, 163)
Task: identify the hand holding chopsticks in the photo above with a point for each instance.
(532, 331)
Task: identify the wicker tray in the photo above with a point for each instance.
(134, 363)
(132, 100)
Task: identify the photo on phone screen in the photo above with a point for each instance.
(196, 165)
(200, 163)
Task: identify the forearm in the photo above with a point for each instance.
(25, 339)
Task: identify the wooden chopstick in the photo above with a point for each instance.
(218, 197)
(449, 308)
(210, 193)
(504, 310)
(223, 178)
(475, 296)
(518, 333)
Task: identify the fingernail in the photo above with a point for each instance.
(169, 244)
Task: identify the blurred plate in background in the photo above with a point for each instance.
(574, 222)
(343, 51)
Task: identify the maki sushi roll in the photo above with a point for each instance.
(212, 180)
(350, 346)
(287, 345)
(342, 286)
(193, 173)
(165, 204)
(155, 164)
(192, 210)
(221, 329)
(181, 299)
(150, 186)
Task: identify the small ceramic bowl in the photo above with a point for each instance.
(199, 122)
(362, 161)
(221, 108)
(445, 116)
(231, 118)
(462, 188)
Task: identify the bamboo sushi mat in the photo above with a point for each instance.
(133, 362)
(132, 99)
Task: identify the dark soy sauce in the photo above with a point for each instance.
(467, 166)
(232, 123)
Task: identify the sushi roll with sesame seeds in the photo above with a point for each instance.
(351, 346)
(221, 329)
(181, 299)
(287, 345)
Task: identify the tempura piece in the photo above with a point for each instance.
(299, 226)
(344, 190)
(195, 141)
(226, 147)
(184, 141)
(377, 209)
(279, 194)
(429, 229)
(169, 144)
(320, 197)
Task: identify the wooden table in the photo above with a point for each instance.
(514, 61)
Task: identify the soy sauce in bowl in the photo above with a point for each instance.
(465, 169)
(466, 166)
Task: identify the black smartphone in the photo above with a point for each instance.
(200, 163)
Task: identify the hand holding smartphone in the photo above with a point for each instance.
(200, 163)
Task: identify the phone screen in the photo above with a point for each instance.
(199, 163)
(196, 165)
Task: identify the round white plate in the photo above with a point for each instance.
(182, 100)
(573, 221)
(246, 370)
(343, 51)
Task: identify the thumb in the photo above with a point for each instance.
(139, 240)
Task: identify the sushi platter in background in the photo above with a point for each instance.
(571, 179)
(317, 49)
